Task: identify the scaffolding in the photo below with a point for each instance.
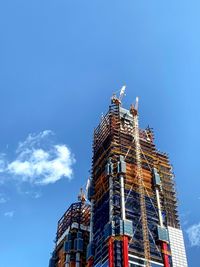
(132, 198)
(72, 236)
(114, 139)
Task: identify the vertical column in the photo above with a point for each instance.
(109, 171)
(110, 253)
(164, 247)
(109, 168)
(125, 251)
(159, 207)
(122, 197)
(78, 259)
(110, 198)
(67, 263)
(90, 248)
(121, 172)
(121, 169)
(165, 255)
(91, 220)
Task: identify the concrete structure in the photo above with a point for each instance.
(134, 219)
(72, 236)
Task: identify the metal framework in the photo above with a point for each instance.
(126, 199)
(133, 204)
(72, 236)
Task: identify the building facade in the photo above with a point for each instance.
(134, 218)
(72, 236)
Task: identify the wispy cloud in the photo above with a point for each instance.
(40, 161)
(30, 193)
(194, 234)
(9, 214)
(2, 200)
(2, 162)
(185, 218)
(37, 195)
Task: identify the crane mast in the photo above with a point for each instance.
(136, 136)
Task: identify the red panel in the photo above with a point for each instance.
(90, 263)
(165, 255)
(110, 252)
(125, 251)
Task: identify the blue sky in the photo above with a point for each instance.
(60, 62)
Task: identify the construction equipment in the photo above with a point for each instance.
(122, 93)
(134, 112)
(118, 100)
(132, 219)
(81, 196)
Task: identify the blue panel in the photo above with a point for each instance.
(78, 244)
(69, 236)
(79, 234)
(68, 246)
(90, 251)
(162, 234)
(108, 230)
(128, 228)
(157, 180)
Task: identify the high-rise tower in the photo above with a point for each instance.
(134, 219)
(72, 236)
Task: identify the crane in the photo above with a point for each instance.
(81, 196)
(134, 112)
(118, 100)
(122, 92)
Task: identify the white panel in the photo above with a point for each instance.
(134, 260)
(177, 247)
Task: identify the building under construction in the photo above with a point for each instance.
(133, 204)
(72, 236)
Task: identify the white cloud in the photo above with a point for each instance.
(194, 234)
(40, 161)
(9, 214)
(34, 140)
(2, 200)
(37, 195)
